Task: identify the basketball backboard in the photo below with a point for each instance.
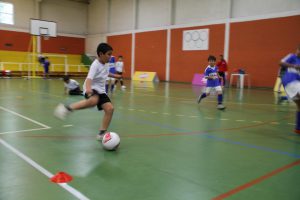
(42, 28)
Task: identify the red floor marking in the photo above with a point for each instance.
(255, 181)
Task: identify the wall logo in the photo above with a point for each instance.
(195, 40)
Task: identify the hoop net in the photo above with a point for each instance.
(45, 37)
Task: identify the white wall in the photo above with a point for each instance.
(98, 17)
(108, 17)
(23, 11)
(91, 43)
(195, 11)
(111, 16)
(154, 13)
(122, 14)
(71, 17)
(246, 8)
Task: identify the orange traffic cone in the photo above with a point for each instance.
(61, 177)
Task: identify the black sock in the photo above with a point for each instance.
(68, 108)
(101, 132)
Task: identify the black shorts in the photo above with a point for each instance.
(103, 98)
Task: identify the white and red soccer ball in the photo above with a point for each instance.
(111, 141)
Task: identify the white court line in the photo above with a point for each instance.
(21, 131)
(36, 122)
(68, 125)
(70, 189)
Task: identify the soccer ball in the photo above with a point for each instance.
(111, 141)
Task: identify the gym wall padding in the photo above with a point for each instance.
(150, 52)
(258, 46)
(122, 46)
(19, 41)
(64, 45)
(14, 41)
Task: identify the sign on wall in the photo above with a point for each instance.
(195, 40)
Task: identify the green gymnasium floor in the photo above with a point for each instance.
(171, 147)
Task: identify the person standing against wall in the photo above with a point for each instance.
(222, 66)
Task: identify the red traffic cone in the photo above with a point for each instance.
(61, 177)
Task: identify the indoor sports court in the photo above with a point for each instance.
(172, 145)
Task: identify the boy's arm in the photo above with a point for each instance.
(88, 85)
(89, 79)
(286, 62)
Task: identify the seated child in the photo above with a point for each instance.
(71, 86)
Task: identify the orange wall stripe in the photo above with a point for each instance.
(14, 41)
(258, 46)
(122, 46)
(150, 52)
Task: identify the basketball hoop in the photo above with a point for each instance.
(45, 37)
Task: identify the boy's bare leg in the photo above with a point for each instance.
(90, 102)
(108, 113)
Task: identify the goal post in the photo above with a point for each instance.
(59, 62)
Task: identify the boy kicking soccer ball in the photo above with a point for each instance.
(94, 90)
(213, 82)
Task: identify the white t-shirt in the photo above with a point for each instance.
(72, 84)
(98, 73)
(119, 66)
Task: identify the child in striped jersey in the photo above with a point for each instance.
(213, 82)
(291, 81)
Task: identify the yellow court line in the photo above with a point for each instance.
(193, 100)
(208, 118)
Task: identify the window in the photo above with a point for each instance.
(6, 13)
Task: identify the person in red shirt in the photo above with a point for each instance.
(222, 66)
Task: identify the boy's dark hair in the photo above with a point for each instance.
(211, 57)
(103, 48)
(66, 78)
(120, 56)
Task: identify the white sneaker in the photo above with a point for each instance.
(123, 87)
(61, 112)
(99, 137)
(221, 107)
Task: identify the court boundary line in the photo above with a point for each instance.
(38, 167)
(24, 117)
(22, 131)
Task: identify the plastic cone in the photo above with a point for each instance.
(61, 177)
